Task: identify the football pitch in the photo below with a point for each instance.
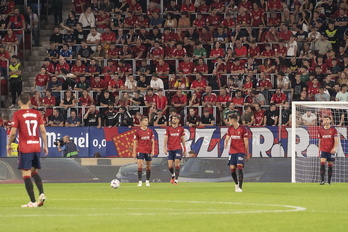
(187, 207)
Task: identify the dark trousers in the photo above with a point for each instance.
(57, 8)
(15, 89)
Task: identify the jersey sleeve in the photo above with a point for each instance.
(229, 131)
(166, 132)
(152, 135)
(182, 132)
(245, 133)
(15, 121)
(319, 134)
(40, 120)
(335, 133)
(136, 136)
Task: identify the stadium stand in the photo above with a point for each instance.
(208, 54)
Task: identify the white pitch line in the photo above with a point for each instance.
(290, 208)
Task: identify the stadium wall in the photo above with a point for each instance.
(205, 141)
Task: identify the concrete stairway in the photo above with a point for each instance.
(34, 58)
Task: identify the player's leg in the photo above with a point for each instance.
(140, 161)
(329, 172)
(171, 159)
(38, 182)
(323, 159)
(148, 159)
(177, 165)
(240, 167)
(232, 165)
(25, 165)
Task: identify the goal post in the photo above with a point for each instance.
(306, 121)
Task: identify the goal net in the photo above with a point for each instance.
(307, 119)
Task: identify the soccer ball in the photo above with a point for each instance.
(115, 184)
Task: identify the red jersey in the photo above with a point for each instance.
(115, 84)
(274, 5)
(35, 102)
(102, 84)
(224, 100)
(199, 23)
(161, 102)
(49, 68)
(281, 51)
(110, 70)
(189, 8)
(247, 5)
(201, 68)
(112, 52)
(259, 115)
(78, 69)
(41, 80)
(108, 37)
(49, 101)
(78, 6)
(100, 18)
(285, 35)
(212, 98)
(144, 138)
(27, 123)
(238, 101)
(202, 8)
(266, 53)
(11, 39)
(174, 137)
(186, 68)
(278, 99)
(257, 17)
(157, 52)
(150, 99)
(273, 21)
(237, 139)
(327, 138)
(3, 63)
(162, 68)
(245, 19)
(196, 84)
(135, 7)
(59, 67)
(217, 52)
(228, 23)
(138, 49)
(213, 20)
(179, 52)
(125, 68)
(253, 51)
(85, 101)
(265, 83)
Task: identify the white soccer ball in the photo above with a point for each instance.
(115, 184)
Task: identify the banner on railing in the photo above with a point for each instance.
(205, 141)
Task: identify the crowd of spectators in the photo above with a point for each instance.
(200, 59)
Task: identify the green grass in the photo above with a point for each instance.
(184, 208)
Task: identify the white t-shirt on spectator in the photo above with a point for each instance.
(308, 119)
(343, 97)
(158, 84)
(291, 49)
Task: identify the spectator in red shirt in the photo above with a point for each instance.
(199, 22)
(78, 68)
(206, 36)
(179, 51)
(278, 98)
(85, 99)
(179, 100)
(213, 20)
(162, 68)
(102, 20)
(115, 84)
(112, 52)
(135, 7)
(36, 100)
(245, 4)
(274, 5)
(257, 15)
(238, 100)
(199, 84)
(186, 66)
(222, 99)
(267, 53)
(259, 115)
(217, 51)
(228, 21)
(98, 85)
(108, 36)
(41, 80)
(243, 18)
(156, 51)
(209, 97)
(124, 69)
(220, 66)
(188, 7)
(281, 50)
(109, 69)
(272, 35)
(4, 57)
(17, 21)
(240, 50)
(285, 33)
(274, 20)
(150, 98)
(254, 50)
(201, 67)
(139, 50)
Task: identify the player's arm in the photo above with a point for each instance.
(152, 147)
(183, 144)
(334, 148)
(227, 139)
(11, 139)
(165, 144)
(44, 139)
(135, 144)
(246, 144)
